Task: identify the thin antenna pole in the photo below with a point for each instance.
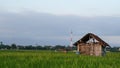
(71, 39)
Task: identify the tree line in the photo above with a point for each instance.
(34, 47)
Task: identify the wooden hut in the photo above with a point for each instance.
(91, 44)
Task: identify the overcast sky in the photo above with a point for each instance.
(49, 22)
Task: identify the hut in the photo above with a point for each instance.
(91, 44)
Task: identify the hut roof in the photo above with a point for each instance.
(85, 38)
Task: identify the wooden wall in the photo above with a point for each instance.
(90, 49)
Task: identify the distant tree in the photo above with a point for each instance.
(59, 47)
(30, 47)
(39, 47)
(13, 46)
(7, 47)
(2, 45)
(21, 47)
(47, 47)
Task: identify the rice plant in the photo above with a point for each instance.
(51, 59)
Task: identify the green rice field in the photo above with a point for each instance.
(51, 59)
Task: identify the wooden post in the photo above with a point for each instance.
(78, 48)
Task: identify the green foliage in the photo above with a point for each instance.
(51, 59)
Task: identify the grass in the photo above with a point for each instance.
(50, 59)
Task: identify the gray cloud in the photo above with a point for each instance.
(42, 28)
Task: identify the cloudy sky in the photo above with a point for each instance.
(49, 22)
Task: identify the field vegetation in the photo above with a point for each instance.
(51, 59)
